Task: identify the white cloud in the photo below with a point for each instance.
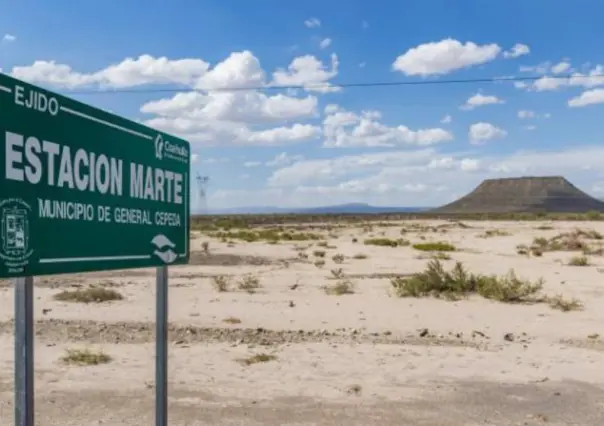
(480, 100)
(595, 77)
(482, 132)
(561, 67)
(252, 164)
(343, 128)
(309, 72)
(542, 68)
(530, 127)
(443, 57)
(312, 23)
(524, 114)
(446, 119)
(284, 159)
(130, 72)
(412, 178)
(8, 38)
(308, 171)
(516, 51)
(325, 43)
(194, 158)
(589, 97)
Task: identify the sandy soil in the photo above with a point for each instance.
(356, 359)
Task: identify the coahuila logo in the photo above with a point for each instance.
(164, 248)
(159, 147)
(165, 149)
(15, 250)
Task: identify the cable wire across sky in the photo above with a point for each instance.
(319, 86)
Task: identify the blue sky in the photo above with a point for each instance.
(319, 145)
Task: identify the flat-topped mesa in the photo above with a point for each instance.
(552, 194)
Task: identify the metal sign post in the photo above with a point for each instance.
(24, 351)
(161, 347)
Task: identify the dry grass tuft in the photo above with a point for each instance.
(494, 233)
(249, 284)
(85, 357)
(437, 246)
(360, 256)
(221, 283)
(231, 320)
(578, 261)
(564, 305)
(257, 359)
(340, 288)
(89, 295)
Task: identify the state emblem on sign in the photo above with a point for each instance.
(15, 250)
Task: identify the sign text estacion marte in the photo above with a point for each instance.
(35, 161)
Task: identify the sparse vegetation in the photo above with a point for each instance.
(84, 357)
(221, 283)
(360, 256)
(337, 273)
(386, 242)
(338, 258)
(436, 246)
(494, 233)
(249, 284)
(319, 263)
(319, 253)
(459, 283)
(340, 288)
(564, 305)
(257, 359)
(578, 261)
(269, 235)
(89, 295)
(232, 320)
(567, 241)
(205, 247)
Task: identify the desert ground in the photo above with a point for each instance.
(326, 324)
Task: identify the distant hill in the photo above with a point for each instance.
(550, 194)
(351, 208)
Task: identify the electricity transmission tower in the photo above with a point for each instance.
(202, 188)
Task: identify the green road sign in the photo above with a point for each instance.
(85, 190)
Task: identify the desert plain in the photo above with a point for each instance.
(333, 324)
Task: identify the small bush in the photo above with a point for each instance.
(360, 256)
(257, 359)
(458, 283)
(89, 295)
(564, 305)
(384, 242)
(337, 273)
(578, 261)
(438, 246)
(319, 263)
(494, 233)
(85, 357)
(205, 246)
(232, 320)
(319, 253)
(249, 284)
(340, 288)
(338, 258)
(221, 283)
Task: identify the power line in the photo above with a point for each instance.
(332, 85)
